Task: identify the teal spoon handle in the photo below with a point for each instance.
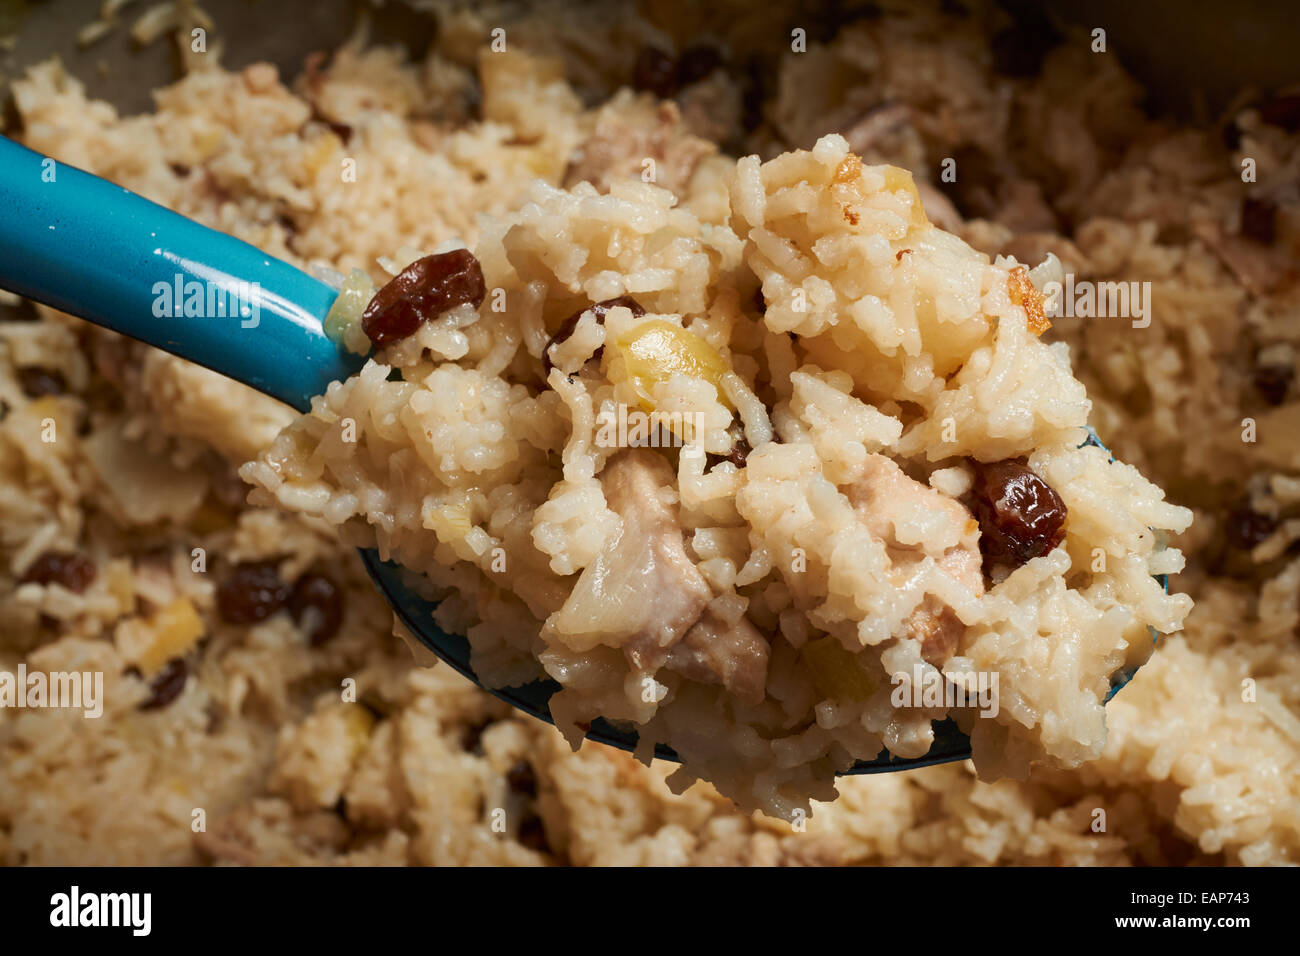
(95, 250)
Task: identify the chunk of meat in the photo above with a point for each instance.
(625, 138)
(883, 489)
(227, 842)
(642, 592)
(716, 652)
(937, 627)
(1259, 269)
(935, 624)
(1022, 207)
(711, 109)
(672, 587)
(886, 133)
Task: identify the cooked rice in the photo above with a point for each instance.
(468, 453)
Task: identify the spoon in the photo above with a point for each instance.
(92, 249)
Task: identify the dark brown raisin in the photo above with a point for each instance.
(1273, 382)
(654, 72)
(740, 447)
(532, 833)
(342, 130)
(696, 63)
(251, 592)
(601, 309)
(167, 684)
(1244, 527)
(1283, 111)
(39, 382)
(1241, 528)
(522, 779)
(76, 572)
(317, 604)
(759, 301)
(422, 291)
(740, 452)
(738, 455)
(1259, 220)
(1020, 515)
(471, 737)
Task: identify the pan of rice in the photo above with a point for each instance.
(742, 383)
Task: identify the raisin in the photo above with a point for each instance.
(600, 309)
(1244, 527)
(252, 592)
(39, 382)
(759, 301)
(1020, 515)
(1259, 220)
(76, 572)
(342, 130)
(471, 736)
(167, 684)
(317, 601)
(532, 833)
(424, 289)
(1241, 528)
(1273, 382)
(1283, 111)
(522, 779)
(655, 72)
(740, 447)
(696, 63)
(739, 453)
